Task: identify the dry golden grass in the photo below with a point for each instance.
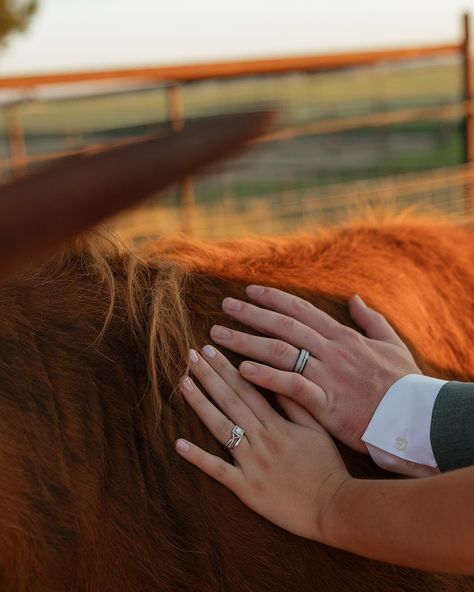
(446, 190)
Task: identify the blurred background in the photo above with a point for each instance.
(375, 102)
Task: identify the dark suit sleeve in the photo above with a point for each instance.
(452, 426)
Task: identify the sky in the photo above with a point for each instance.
(93, 34)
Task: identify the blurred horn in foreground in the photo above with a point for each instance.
(42, 210)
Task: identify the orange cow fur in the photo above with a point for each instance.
(93, 496)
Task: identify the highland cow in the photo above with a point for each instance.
(92, 345)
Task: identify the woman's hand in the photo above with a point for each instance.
(290, 472)
(347, 374)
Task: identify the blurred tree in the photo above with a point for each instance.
(15, 15)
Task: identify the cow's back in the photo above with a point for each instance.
(92, 495)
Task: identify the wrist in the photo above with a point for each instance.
(331, 500)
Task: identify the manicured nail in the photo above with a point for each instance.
(193, 356)
(187, 385)
(248, 369)
(209, 351)
(218, 332)
(182, 445)
(254, 290)
(231, 304)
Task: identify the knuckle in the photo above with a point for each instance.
(263, 460)
(220, 362)
(271, 294)
(232, 401)
(270, 449)
(332, 410)
(354, 336)
(340, 352)
(345, 332)
(279, 349)
(199, 401)
(205, 370)
(349, 337)
(298, 386)
(271, 379)
(257, 486)
(221, 470)
(235, 337)
(225, 429)
(245, 387)
(299, 305)
(286, 323)
(275, 296)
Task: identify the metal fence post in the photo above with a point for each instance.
(16, 140)
(187, 202)
(468, 80)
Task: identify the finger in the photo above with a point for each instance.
(295, 307)
(278, 325)
(373, 323)
(296, 413)
(215, 421)
(274, 352)
(215, 467)
(245, 390)
(295, 386)
(221, 393)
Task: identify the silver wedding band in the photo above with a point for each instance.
(236, 438)
(301, 361)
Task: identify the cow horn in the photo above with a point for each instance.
(40, 211)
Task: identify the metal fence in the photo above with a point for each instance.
(344, 118)
(443, 191)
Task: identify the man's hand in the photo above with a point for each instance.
(347, 374)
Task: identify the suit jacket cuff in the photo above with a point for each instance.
(452, 426)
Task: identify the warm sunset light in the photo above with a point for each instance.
(236, 296)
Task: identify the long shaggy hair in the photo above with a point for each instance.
(92, 346)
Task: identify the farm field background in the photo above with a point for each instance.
(302, 98)
(277, 172)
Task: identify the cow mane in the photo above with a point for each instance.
(146, 296)
(147, 287)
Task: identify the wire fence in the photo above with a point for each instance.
(310, 104)
(444, 191)
(352, 129)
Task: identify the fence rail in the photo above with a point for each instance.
(234, 69)
(173, 78)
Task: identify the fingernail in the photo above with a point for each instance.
(248, 368)
(231, 304)
(187, 385)
(219, 332)
(360, 300)
(209, 351)
(182, 445)
(193, 356)
(254, 290)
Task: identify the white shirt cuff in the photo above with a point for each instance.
(398, 435)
